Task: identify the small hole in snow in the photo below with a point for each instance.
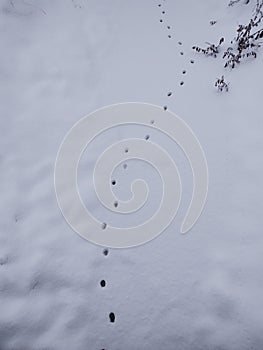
(147, 137)
(112, 317)
(103, 225)
(169, 94)
(192, 61)
(181, 83)
(161, 20)
(152, 121)
(159, 5)
(105, 252)
(181, 53)
(165, 108)
(163, 12)
(103, 283)
(180, 43)
(125, 166)
(169, 36)
(184, 71)
(113, 182)
(168, 27)
(126, 150)
(116, 204)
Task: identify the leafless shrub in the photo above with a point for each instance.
(246, 42)
(221, 84)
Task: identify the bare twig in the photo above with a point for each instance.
(211, 49)
(221, 84)
(246, 41)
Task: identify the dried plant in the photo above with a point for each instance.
(244, 45)
(211, 49)
(221, 84)
(212, 23)
(233, 2)
(246, 42)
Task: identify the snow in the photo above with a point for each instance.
(61, 60)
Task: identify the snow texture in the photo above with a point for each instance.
(61, 60)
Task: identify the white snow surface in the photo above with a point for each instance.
(61, 60)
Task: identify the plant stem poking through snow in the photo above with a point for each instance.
(211, 50)
(212, 23)
(246, 42)
(221, 84)
(244, 45)
(233, 2)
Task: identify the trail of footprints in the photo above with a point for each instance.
(105, 252)
(168, 27)
(103, 282)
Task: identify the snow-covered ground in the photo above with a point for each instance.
(61, 60)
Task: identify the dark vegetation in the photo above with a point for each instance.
(244, 45)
